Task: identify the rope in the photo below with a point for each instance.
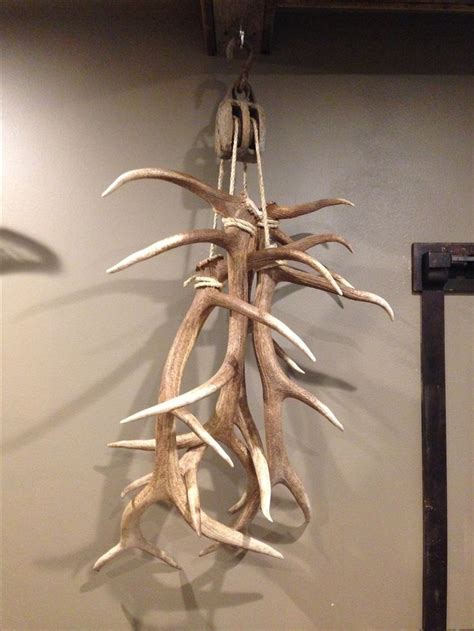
(242, 224)
(266, 230)
(220, 179)
(253, 208)
(203, 281)
(272, 223)
(209, 281)
(233, 163)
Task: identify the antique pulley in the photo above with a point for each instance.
(239, 104)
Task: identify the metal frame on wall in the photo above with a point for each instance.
(439, 269)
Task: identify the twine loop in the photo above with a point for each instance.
(242, 224)
(203, 281)
(271, 223)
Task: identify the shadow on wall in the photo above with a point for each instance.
(19, 253)
(205, 593)
(112, 70)
(200, 598)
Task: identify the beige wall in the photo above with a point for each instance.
(93, 89)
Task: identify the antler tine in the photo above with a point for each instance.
(250, 455)
(136, 484)
(293, 483)
(311, 280)
(263, 257)
(189, 463)
(286, 358)
(223, 534)
(294, 391)
(223, 203)
(188, 468)
(191, 421)
(341, 280)
(239, 503)
(288, 212)
(218, 237)
(248, 507)
(131, 535)
(235, 304)
(249, 431)
(222, 376)
(141, 445)
(310, 241)
(183, 441)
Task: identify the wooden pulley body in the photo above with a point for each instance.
(239, 104)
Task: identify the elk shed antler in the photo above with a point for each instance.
(167, 482)
(276, 384)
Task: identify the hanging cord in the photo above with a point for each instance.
(203, 281)
(261, 185)
(220, 179)
(233, 163)
(242, 224)
(251, 205)
(209, 281)
(244, 180)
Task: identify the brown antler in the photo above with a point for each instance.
(174, 480)
(169, 482)
(277, 386)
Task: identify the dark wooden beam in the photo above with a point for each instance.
(222, 19)
(208, 26)
(439, 270)
(465, 6)
(433, 439)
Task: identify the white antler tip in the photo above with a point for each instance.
(267, 515)
(108, 190)
(129, 419)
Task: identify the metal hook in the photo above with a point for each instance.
(242, 80)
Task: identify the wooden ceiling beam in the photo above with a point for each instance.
(222, 19)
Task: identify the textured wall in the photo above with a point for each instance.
(93, 89)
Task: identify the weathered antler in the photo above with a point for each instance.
(276, 384)
(167, 482)
(231, 427)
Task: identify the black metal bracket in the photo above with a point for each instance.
(438, 269)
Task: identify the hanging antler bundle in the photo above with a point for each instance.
(257, 257)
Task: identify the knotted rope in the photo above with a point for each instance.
(203, 281)
(242, 224)
(271, 223)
